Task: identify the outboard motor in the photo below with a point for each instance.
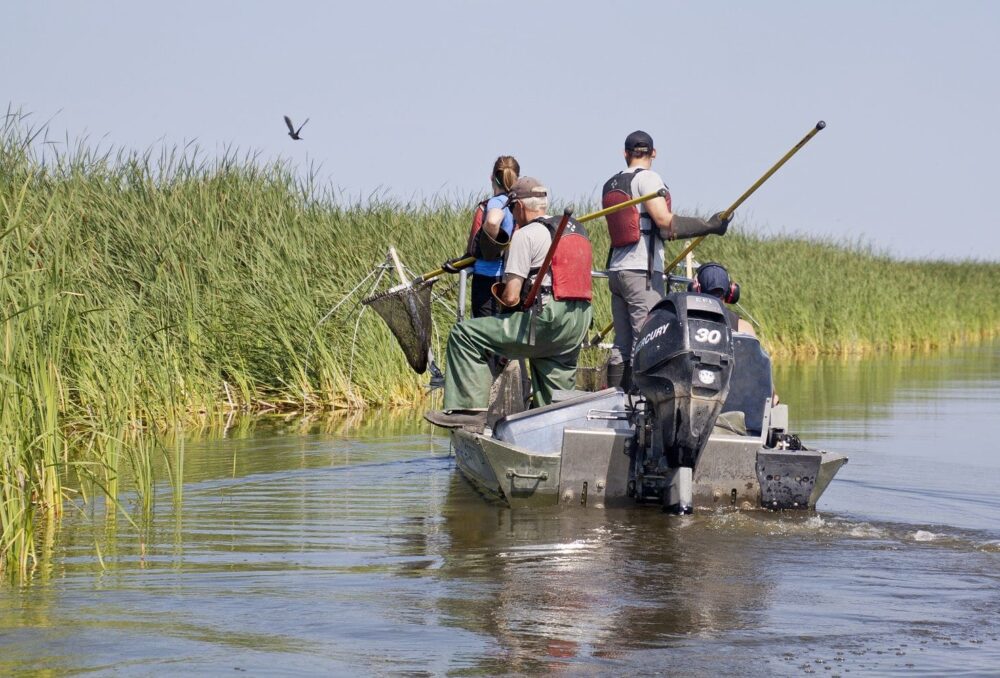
(681, 362)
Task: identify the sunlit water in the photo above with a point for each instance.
(345, 548)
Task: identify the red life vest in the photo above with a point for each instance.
(478, 217)
(571, 262)
(625, 226)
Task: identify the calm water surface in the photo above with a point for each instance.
(357, 548)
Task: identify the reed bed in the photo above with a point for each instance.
(143, 291)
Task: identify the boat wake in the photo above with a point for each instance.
(827, 527)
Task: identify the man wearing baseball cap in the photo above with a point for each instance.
(549, 334)
(713, 279)
(635, 270)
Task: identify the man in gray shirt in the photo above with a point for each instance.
(549, 334)
(635, 271)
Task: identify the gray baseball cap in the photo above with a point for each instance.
(527, 187)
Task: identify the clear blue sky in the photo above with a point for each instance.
(416, 99)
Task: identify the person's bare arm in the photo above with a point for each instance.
(492, 222)
(512, 285)
(661, 215)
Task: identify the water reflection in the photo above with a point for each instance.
(857, 391)
(554, 587)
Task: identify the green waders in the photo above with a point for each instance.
(560, 328)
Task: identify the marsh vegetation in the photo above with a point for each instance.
(142, 292)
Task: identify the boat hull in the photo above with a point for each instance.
(579, 449)
(591, 468)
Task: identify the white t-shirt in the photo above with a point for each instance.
(636, 257)
(527, 250)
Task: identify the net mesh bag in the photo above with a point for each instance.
(407, 312)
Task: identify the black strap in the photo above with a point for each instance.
(649, 258)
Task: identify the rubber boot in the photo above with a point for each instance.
(616, 374)
(679, 498)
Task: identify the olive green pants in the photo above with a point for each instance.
(560, 329)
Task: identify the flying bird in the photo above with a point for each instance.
(292, 132)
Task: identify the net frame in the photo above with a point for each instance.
(406, 310)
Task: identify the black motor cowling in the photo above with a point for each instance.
(682, 362)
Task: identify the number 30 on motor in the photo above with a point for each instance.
(706, 336)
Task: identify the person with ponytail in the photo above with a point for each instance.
(497, 225)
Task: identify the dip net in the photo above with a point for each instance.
(406, 310)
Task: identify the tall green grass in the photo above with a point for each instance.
(814, 297)
(145, 291)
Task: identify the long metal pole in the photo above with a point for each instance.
(727, 213)
(469, 261)
(740, 200)
(463, 279)
(662, 193)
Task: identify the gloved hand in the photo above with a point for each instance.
(693, 227)
(718, 225)
(449, 266)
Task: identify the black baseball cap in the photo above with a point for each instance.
(712, 277)
(639, 141)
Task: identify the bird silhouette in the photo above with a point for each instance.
(292, 132)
